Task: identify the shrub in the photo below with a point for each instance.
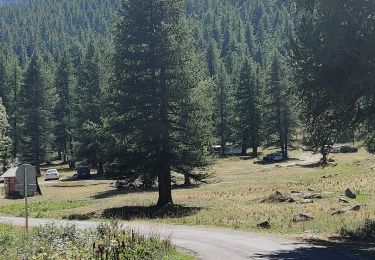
(108, 241)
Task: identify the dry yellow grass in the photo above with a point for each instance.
(233, 199)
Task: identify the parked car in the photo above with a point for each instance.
(230, 149)
(233, 150)
(343, 148)
(334, 149)
(52, 174)
(273, 157)
(348, 149)
(83, 173)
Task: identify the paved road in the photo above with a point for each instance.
(217, 244)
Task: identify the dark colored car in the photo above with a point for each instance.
(273, 157)
(83, 173)
(348, 149)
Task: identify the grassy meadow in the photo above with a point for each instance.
(239, 196)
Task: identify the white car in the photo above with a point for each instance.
(52, 174)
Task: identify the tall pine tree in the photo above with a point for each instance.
(63, 111)
(279, 122)
(36, 104)
(87, 108)
(157, 116)
(248, 108)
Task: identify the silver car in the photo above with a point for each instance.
(52, 174)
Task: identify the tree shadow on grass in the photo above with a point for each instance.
(322, 249)
(93, 177)
(262, 162)
(116, 192)
(152, 212)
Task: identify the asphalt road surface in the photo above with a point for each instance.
(217, 244)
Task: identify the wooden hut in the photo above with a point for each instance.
(14, 180)
(10, 183)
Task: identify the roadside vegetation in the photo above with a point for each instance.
(108, 241)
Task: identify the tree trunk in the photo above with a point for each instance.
(164, 172)
(324, 153)
(187, 180)
(222, 149)
(244, 145)
(38, 173)
(165, 190)
(38, 190)
(255, 151)
(286, 133)
(100, 168)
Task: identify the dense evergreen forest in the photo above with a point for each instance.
(140, 88)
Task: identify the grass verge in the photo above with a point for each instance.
(106, 242)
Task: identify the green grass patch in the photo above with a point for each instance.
(108, 241)
(41, 209)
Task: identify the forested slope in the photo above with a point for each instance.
(51, 25)
(237, 27)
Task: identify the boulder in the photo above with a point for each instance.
(313, 196)
(302, 217)
(296, 193)
(264, 224)
(286, 199)
(344, 200)
(347, 210)
(356, 208)
(311, 189)
(279, 194)
(340, 212)
(350, 193)
(307, 201)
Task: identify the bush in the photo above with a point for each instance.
(108, 241)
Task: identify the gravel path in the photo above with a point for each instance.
(216, 244)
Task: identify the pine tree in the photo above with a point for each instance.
(36, 104)
(157, 116)
(5, 141)
(4, 90)
(14, 112)
(278, 117)
(213, 58)
(248, 108)
(223, 101)
(63, 111)
(87, 108)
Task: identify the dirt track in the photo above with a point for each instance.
(217, 244)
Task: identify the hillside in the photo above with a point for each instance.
(236, 26)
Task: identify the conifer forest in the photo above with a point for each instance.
(140, 89)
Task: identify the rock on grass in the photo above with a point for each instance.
(264, 224)
(350, 193)
(300, 217)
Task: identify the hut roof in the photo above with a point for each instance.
(10, 173)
